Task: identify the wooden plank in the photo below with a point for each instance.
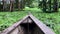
(27, 20)
(6, 31)
(42, 26)
(0, 31)
(14, 31)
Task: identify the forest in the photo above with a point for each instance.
(47, 11)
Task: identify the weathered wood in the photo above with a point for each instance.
(14, 31)
(35, 27)
(6, 31)
(42, 26)
(29, 20)
(0, 31)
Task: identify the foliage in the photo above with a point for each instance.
(49, 5)
(8, 18)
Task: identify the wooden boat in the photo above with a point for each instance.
(28, 25)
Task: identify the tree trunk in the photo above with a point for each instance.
(19, 4)
(11, 5)
(4, 5)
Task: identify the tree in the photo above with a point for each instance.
(44, 5)
(55, 5)
(50, 6)
(22, 4)
(16, 3)
(11, 5)
(40, 3)
(4, 5)
(29, 3)
(1, 5)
